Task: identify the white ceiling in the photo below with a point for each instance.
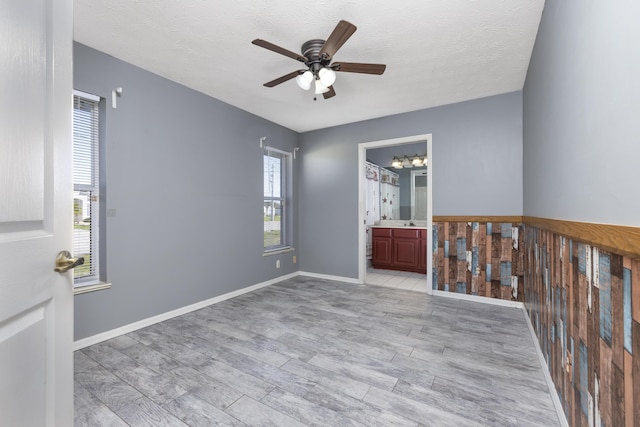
(437, 51)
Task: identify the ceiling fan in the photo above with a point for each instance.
(317, 55)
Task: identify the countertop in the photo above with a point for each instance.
(399, 226)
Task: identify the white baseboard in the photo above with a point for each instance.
(95, 339)
(329, 277)
(477, 298)
(547, 376)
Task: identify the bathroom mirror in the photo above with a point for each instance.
(408, 177)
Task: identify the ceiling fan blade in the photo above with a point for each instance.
(270, 46)
(282, 79)
(338, 37)
(330, 94)
(357, 67)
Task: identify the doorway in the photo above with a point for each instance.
(362, 157)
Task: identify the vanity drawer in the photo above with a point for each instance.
(410, 233)
(381, 232)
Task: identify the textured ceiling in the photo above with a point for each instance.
(437, 51)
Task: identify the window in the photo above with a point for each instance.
(86, 187)
(276, 216)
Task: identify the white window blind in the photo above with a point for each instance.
(86, 144)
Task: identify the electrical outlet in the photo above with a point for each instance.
(278, 263)
(295, 259)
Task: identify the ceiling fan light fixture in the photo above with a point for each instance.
(320, 88)
(317, 55)
(304, 80)
(327, 76)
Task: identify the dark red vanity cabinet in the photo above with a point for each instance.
(382, 247)
(406, 247)
(400, 249)
(422, 258)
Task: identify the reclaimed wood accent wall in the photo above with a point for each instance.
(577, 282)
(619, 239)
(479, 256)
(579, 298)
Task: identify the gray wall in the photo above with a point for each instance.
(582, 114)
(477, 170)
(184, 174)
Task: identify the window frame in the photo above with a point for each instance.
(94, 188)
(286, 175)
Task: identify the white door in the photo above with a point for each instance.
(419, 195)
(36, 303)
(421, 203)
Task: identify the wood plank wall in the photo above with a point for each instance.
(579, 299)
(479, 257)
(577, 282)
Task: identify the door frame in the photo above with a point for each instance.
(362, 238)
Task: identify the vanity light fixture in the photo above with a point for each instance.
(396, 163)
(409, 162)
(406, 162)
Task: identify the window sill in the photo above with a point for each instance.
(90, 288)
(279, 251)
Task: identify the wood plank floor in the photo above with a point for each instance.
(322, 353)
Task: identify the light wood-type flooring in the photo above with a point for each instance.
(322, 353)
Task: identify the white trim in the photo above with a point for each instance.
(430, 215)
(330, 277)
(276, 150)
(83, 289)
(362, 148)
(278, 251)
(478, 298)
(95, 339)
(547, 376)
(86, 95)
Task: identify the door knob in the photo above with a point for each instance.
(64, 262)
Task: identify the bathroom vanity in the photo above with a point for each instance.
(400, 248)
